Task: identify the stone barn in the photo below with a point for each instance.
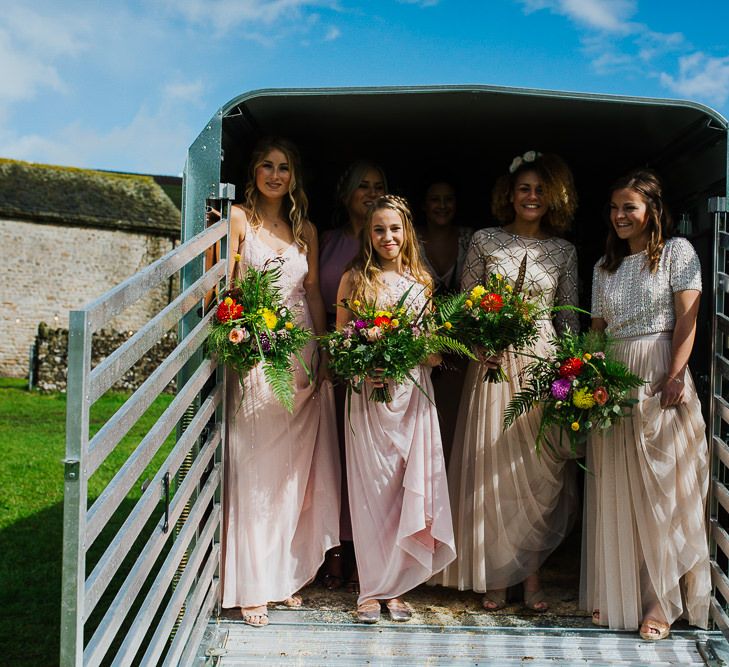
(67, 236)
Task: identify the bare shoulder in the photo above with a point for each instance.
(308, 231)
(238, 220)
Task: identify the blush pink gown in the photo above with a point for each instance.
(398, 493)
(281, 495)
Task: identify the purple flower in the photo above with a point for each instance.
(561, 389)
(360, 324)
(415, 329)
(348, 331)
(265, 342)
(598, 355)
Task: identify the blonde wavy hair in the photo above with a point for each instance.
(348, 182)
(558, 191)
(366, 270)
(660, 225)
(296, 205)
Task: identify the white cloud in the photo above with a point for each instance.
(700, 76)
(421, 3)
(332, 33)
(607, 15)
(184, 91)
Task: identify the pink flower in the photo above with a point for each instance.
(373, 334)
(600, 395)
(236, 336)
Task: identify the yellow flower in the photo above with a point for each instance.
(477, 292)
(289, 325)
(228, 301)
(394, 323)
(236, 257)
(269, 318)
(508, 287)
(356, 303)
(448, 325)
(587, 356)
(575, 426)
(499, 276)
(469, 303)
(583, 398)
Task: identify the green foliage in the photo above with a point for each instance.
(252, 326)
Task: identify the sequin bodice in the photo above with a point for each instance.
(393, 291)
(551, 272)
(635, 302)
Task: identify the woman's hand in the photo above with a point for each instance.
(488, 360)
(375, 378)
(323, 373)
(672, 390)
(435, 359)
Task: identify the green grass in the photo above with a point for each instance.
(32, 438)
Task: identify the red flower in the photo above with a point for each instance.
(382, 320)
(492, 303)
(571, 367)
(600, 395)
(228, 310)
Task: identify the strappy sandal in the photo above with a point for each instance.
(535, 601)
(294, 600)
(660, 630)
(256, 617)
(399, 610)
(369, 611)
(330, 579)
(353, 583)
(495, 600)
(596, 617)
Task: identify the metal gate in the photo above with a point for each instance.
(141, 553)
(719, 421)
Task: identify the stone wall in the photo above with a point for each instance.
(51, 354)
(48, 270)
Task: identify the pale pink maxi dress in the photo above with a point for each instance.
(511, 507)
(644, 537)
(281, 496)
(398, 492)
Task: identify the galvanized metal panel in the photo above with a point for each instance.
(722, 451)
(109, 435)
(111, 497)
(119, 547)
(131, 290)
(124, 357)
(198, 631)
(75, 490)
(126, 654)
(101, 640)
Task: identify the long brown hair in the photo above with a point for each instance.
(365, 267)
(296, 205)
(558, 191)
(648, 185)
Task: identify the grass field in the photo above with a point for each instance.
(32, 437)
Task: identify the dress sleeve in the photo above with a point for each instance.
(567, 292)
(685, 269)
(474, 266)
(596, 310)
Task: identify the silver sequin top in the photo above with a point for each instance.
(551, 274)
(635, 302)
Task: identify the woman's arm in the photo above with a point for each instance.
(686, 306)
(236, 237)
(344, 315)
(598, 324)
(311, 282)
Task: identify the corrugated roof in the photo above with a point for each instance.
(82, 197)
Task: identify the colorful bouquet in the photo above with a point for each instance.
(580, 388)
(387, 344)
(251, 326)
(496, 316)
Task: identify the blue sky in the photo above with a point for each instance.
(128, 85)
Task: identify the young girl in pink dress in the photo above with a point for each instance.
(281, 499)
(398, 494)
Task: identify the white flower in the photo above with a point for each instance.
(515, 164)
(530, 156)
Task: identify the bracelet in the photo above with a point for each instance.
(675, 379)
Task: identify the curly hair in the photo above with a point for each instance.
(349, 181)
(558, 188)
(647, 184)
(296, 205)
(365, 267)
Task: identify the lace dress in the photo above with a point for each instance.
(281, 494)
(645, 534)
(511, 508)
(398, 492)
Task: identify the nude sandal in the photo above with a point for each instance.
(660, 630)
(535, 601)
(250, 614)
(495, 599)
(369, 611)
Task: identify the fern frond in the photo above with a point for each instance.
(281, 381)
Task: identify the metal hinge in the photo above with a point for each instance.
(226, 191)
(718, 205)
(71, 469)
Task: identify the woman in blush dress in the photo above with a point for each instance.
(645, 553)
(443, 247)
(360, 184)
(512, 506)
(398, 492)
(281, 502)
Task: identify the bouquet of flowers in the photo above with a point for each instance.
(580, 388)
(251, 326)
(386, 343)
(496, 316)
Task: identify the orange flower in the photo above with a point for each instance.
(492, 302)
(382, 320)
(600, 395)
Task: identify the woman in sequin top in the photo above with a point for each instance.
(646, 556)
(511, 506)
